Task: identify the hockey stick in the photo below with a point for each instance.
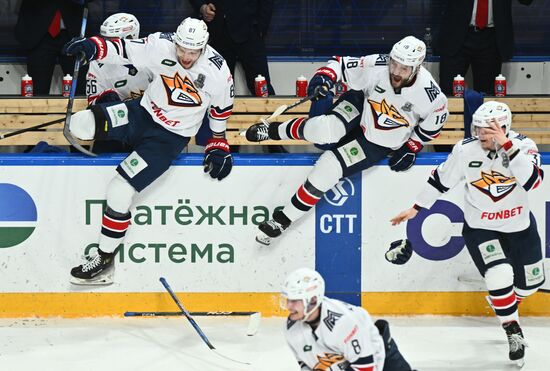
(32, 128)
(285, 108)
(66, 131)
(193, 323)
(253, 323)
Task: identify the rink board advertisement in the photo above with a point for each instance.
(199, 234)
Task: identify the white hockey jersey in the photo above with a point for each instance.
(496, 183)
(126, 81)
(344, 332)
(177, 98)
(389, 119)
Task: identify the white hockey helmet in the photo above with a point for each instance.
(304, 284)
(489, 111)
(122, 25)
(192, 33)
(409, 51)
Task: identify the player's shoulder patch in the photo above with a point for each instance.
(519, 136)
(331, 318)
(217, 60)
(381, 60)
(432, 91)
(167, 36)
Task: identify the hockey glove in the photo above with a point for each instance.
(400, 252)
(218, 161)
(403, 158)
(322, 82)
(89, 49)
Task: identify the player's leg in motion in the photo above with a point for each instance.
(98, 268)
(501, 258)
(525, 252)
(343, 118)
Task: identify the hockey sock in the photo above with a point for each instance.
(113, 229)
(499, 280)
(291, 129)
(325, 174)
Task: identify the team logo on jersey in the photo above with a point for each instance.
(386, 116)
(180, 91)
(327, 360)
(331, 318)
(217, 60)
(495, 185)
(432, 91)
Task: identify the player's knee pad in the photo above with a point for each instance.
(324, 129)
(499, 276)
(82, 125)
(120, 195)
(326, 172)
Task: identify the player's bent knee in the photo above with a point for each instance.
(82, 125)
(324, 129)
(327, 172)
(120, 195)
(499, 276)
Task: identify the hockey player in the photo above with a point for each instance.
(395, 108)
(113, 82)
(189, 78)
(499, 167)
(331, 335)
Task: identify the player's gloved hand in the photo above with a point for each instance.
(322, 82)
(86, 48)
(400, 252)
(403, 158)
(218, 161)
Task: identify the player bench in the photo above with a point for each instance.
(531, 116)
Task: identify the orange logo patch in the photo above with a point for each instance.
(327, 360)
(386, 116)
(495, 185)
(181, 92)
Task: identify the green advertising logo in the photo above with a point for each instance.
(18, 215)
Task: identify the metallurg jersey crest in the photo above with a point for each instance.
(495, 183)
(390, 118)
(177, 98)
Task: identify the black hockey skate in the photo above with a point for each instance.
(258, 132)
(98, 269)
(516, 342)
(273, 228)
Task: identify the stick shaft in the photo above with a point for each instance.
(186, 313)
(169, 314)
(32, 128)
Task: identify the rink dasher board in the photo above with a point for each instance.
(193, 253)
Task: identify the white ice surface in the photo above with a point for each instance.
(105, 344)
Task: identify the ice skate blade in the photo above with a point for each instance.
(102, 281)
(105, 278)
(263, 239)
(520, 362)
